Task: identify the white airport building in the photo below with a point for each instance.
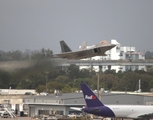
(119, 53)
(13, 98)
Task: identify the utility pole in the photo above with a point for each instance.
(46, 79)
(98, 84)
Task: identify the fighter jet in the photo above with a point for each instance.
(84, 51)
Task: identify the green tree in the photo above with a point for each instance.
(106, 81)
(77, 82)
(51, 86)
(5, 79)
(146, 82)
(37, 55)
(73, 72)
(62, 79)
(129, 82)
(84, 73)
(41, 88)
(68, 89)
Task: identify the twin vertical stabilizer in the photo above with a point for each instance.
(64, 47)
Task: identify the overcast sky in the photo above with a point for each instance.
(34, 24)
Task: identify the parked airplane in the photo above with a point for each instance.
(96, 107)
(84, 52)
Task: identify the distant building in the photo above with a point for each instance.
(52, 104)
(13, 98)
(119, 53)
(16, 91)
(35, 105)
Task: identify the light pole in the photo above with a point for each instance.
(46, 79)
(98, 84)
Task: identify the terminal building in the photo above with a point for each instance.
(34, 105)
(119, 53)
(53, 104)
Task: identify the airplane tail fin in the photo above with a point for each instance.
(90, 98)
(83, 46)
(64, 47)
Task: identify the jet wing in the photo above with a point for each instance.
(76, 55)
(86, 53)
(76, 108)
(80, 109)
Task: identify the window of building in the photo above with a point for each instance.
(59, 112)
(127, 56)
(43, 112)
(121, 53)
(137, 56)
(136, 67)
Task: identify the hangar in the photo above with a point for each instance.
(60, 104)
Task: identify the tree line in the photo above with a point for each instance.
(27, 54)
(45, 76)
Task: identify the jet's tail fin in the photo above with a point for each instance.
(64, 47)
(83, 46)
(90, 98)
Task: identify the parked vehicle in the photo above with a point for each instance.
(28, 93)
(5, 115)
(44, 93)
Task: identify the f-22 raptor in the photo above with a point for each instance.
(84, 51)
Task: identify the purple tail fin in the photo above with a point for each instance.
(90, 98)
